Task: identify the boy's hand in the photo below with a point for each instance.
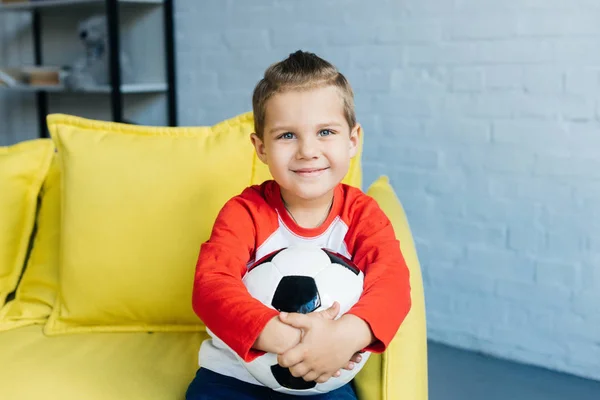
(326, 345)
(277, 337)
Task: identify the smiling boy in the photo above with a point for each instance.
(306, 133)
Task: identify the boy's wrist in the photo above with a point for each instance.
(277, 337)
(357, 331)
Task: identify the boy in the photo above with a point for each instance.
(306, 132)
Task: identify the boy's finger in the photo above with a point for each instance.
(350, 366)
(291, 357)
(311, 376)
(297, 320)
(323, 378)
(299, 370)
(356, 358)
(332, 311)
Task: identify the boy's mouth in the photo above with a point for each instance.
(309, 171)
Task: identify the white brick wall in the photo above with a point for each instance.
(484, 114)
(18, 120)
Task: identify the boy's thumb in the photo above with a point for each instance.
(300, 321)
(332, 311)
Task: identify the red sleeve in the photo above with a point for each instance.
(219, 297)
(385, 301)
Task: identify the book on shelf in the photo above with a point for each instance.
(30, 76)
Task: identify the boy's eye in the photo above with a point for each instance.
(325, 132)
(287, 135)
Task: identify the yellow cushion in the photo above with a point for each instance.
(36, 292)
(22, 170)
(93, 366)
(401, 371)
(137, 202)
(261, 173)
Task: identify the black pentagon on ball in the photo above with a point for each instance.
(336, 258)
(284, 377)
(296, 294)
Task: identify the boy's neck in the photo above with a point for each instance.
(308, 213)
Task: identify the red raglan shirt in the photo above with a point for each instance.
(256, 223)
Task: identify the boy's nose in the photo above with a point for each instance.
(308, 148)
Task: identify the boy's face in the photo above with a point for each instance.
(307, 142)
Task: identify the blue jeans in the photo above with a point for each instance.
(208, 385)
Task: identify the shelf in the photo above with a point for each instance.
(132, 88)
(43, 4)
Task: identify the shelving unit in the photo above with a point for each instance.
(117, 89)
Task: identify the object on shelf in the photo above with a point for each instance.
(92, 69)
(31, 76)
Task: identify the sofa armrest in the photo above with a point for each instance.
(401, 371)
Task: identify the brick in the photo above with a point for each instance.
(413, 31)
(428, 79)
(565, 245)
(350, 35)
(439, 302)
(202, 80)
(533, 295)
(440, 252)
(585, 355)
(232, 80)
(582, 81)
(495, 105)
(543, 80)
(586, 303)
(572, 167)
(482, 208)
(237, 38)
(415, 105)
(369, 81)
(576, 51)
(502, 265)
(503, 77)
(483, 25)
(562, 274)
(509, 51)
(412, 157)
(528, 190)
(530, 133)
(500, 159)
(451, 328)
(459, 131)
(467, 80)
(293, 38)
(526, 238)
(587, 196)
(474, 233)
(466, 285)
(428, 7)
(374, 56)
(405, 129)
(550, 23)
(557, 216)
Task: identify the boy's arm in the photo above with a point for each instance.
(385, 301)
(219, 296)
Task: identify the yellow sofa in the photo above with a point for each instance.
(104, 233)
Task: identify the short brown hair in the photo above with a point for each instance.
(301, 70)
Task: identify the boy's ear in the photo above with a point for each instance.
(355, 139)
(259, 146)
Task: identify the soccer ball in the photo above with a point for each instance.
(302, 279)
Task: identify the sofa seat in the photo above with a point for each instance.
(95, 366)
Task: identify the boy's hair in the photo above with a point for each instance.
(300, 71)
